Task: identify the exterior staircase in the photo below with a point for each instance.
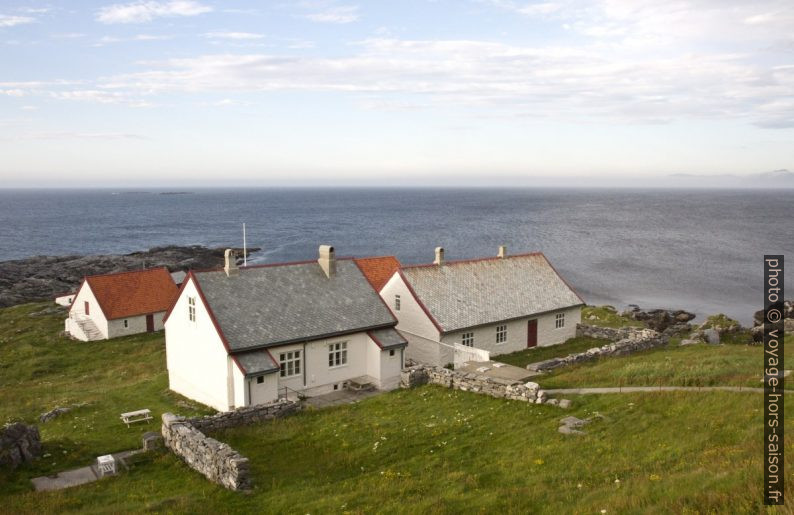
(83, 329)
(90, 329)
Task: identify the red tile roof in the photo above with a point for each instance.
(378, 270)
(128, 294)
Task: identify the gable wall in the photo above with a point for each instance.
(96, 315)
(198, 365)
(411, 317)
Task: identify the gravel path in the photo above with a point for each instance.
(634, 389)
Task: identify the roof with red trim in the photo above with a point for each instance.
(139, 292)
(378, 270)
(462, 294)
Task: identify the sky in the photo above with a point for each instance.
(321, 92)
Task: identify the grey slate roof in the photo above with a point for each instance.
(256, 362)
(272, 305)
(388, 338)
(178, 276)
(469, 293)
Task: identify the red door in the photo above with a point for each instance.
(149, 323)
(85, 306)
(532, 333)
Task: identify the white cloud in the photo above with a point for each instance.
(335, 14)
(141, 12)
(233, 35)
(12, 21)
(556, 82)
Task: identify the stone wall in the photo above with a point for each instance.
(19, 443)
(470, 382)
(636, 340)
(216, 460)
(606, 333)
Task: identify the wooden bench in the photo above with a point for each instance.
(136, 416)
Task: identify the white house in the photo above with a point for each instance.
(244, 336)
(112, 305)
(501, 304)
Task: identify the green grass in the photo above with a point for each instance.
(417, 451)
(440, 451)
(675, 365)
(39, 370)
(524, 357)
(607, 316)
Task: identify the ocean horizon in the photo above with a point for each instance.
(695, 249)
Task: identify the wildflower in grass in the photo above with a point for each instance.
(579, 485)
(655, 477)
(539, 461)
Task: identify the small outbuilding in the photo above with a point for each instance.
(112, 305)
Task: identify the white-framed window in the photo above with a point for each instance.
(501, 333)
(290, 363)
(559, 320)
(191, 309)
(467, 339)
(126, 323)
(337, 354)
(396, 303)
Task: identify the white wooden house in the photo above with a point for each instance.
(244, 336)
(501, 304)
(111, 305)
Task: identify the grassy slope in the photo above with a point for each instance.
(437, 450)
(575, 345)
(690, 365)
(40, 370)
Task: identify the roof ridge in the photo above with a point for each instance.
(268, 265)
(475, 260)
(128, 272)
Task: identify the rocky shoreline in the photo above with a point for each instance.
(44, 277)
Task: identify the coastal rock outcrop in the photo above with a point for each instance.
(660, 319)
(43, 277)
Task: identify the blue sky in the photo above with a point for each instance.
(410, 92)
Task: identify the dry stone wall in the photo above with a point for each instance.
(216, 460)
(636, 340)
(470, 382)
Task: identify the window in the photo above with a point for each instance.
(290, 363)
(559, 320)
(86, 308)
(337, 354)
(391, 353)
(396, 303)
(126, 323)
(501, 333)
(191, 308)
(260, 379)
(467, 339)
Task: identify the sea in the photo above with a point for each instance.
(699, 250)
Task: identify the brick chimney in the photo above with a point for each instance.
(439, 256)
(230, 263)
(502, 251)
(327, 260)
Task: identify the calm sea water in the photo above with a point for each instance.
(698, 250)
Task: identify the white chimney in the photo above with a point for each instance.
(502, 251)
(327, 260)
(230, 263)
(439, 256)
